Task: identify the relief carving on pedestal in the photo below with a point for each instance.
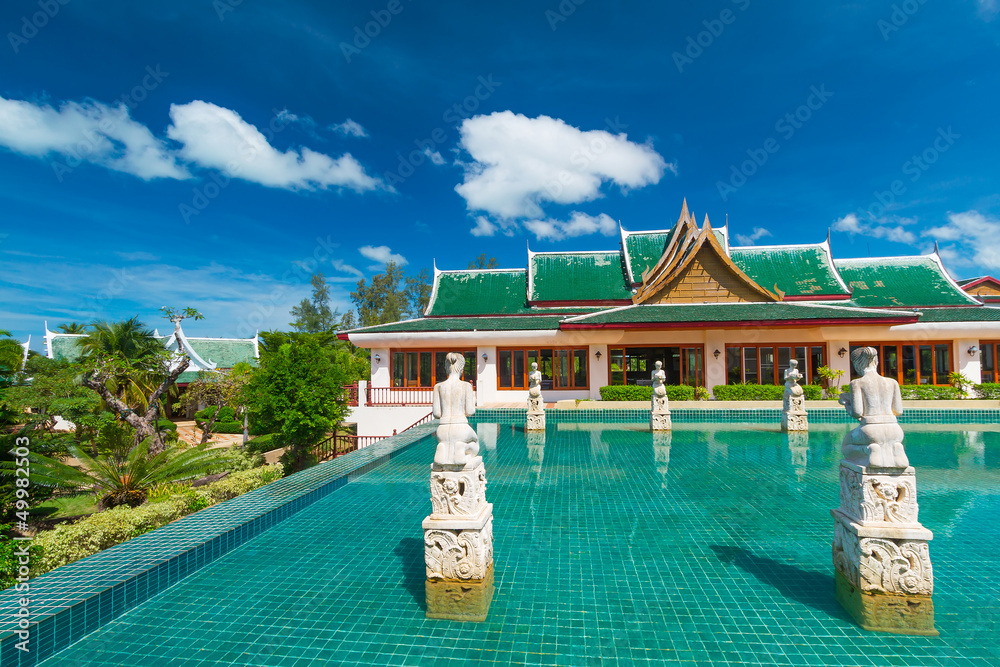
(458, 554)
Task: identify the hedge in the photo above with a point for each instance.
(261, 444)
(226, 414)
(988, 390)
(71, 542)
(227, 427)
(929, 392)
(633, 392)
(762, 392)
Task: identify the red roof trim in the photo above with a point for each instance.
(819, 297)
(738, 323)
(594, 302)
(343, 336)
(984, 279)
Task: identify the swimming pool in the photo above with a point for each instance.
(613, 545)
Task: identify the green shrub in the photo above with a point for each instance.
(166, 425)
(70, 542)
(226, 414)
(988, 390)
(261, 444)
(632, 392)
(813, 392)
(762, 392)
(227, 427)
(10, 561)
(929, 392)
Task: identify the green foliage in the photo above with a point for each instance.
(391, 296)
(929, 392)
(632, 392)
(989, 390)
(166, 425)
(482, 262)
(70, 542)
(73, 328)
(226, 414)
(261, 444)
(10, 560)
(762, 392)
(960, 382)
(701, 394)
(54, 390)
(830, 379)
(296, 393)
(227, 427)
(314, 315)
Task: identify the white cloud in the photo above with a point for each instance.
(484, 227)
(138, 256)
(758, 233)
(349, 128)
(346, 268)
(433, 156)
(975, 238)
(382, 254)
(87, 131)
(519, 163)
(579, 224)
(217, 138)
(988, 9)
(896, 233)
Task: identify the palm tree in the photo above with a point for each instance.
(123, 475)
(73, 328)
(129, 341)
(11, 356)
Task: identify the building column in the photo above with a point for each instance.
(598, 368)
(381, 369)
(715, 369)
(486, 375)
(840, 363)
(968, 365)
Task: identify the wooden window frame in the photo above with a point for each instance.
(538, 349)
(434, 378)
(681, 347)
(778, 380)
(995, 372)
(916, 344)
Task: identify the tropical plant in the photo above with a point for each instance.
(73, 328)
(121, 474)
(830, 379)
(960, 382)
(11, 357)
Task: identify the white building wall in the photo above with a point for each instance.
(837, 362)
(599, 371)
(381, 373)
(486, 380)
(715, 369)
(969, 365)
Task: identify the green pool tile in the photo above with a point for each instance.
(604, 555)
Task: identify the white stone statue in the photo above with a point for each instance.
(534, 381)
(793, 415)
(659, 418)
(535, 420)
(878, 441)
(454, 401)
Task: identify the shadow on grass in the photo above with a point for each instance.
(812, 589)
(410, 551)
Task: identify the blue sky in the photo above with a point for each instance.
(212, 153)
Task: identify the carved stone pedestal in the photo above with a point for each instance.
(458, 543)
(884, 577)
(794, 421)
(659, 414)
(535, 420)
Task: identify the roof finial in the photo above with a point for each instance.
(684, 211)
(936, 250)
(706, 224)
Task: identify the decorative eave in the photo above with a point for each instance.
(976, 282)
(178, 338)
(434, 288)
(683, 247)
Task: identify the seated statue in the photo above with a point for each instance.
(876, 401)
(534, 381)
(792, 389)
(453, 401)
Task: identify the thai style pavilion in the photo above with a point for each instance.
(714, 313)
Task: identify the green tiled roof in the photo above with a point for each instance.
(643, 250)
(539, 322)
(225, 353)
(577, 276)
(967, 314)
(901, 282)
(500, 292)
(729, 312)
(796, 270)
(965, 281)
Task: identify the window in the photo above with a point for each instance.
(635, 365)
(988, 361)
(766, 364)
(425, 368)
(561, 368)
(926, 363)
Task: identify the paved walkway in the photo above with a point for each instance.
(188, 431)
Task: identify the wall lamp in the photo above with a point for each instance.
(841, 352)
(485, 357)
(378, 358)
(716, 353)
(598, 355)
(973, 350)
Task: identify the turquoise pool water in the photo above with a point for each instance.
(612, 547)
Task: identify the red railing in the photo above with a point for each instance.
(400, 395)
(351, 391)
(342, 443)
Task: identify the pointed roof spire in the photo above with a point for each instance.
(706, 224)
(684, 211)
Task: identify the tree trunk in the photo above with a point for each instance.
(206, 431)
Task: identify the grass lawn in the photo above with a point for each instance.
(63, 506)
